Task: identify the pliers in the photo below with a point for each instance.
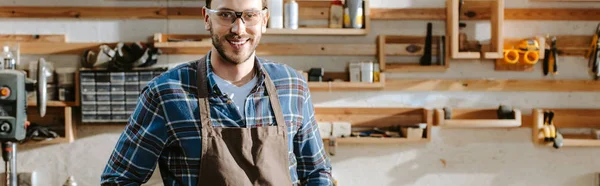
(550, 58)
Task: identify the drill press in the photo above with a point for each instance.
(13, 103)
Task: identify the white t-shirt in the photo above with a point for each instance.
(237, 94)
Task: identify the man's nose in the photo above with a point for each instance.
(238, 26)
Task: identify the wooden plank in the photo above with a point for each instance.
(497, 21)
(408, 13)
(492, 85)
(101, 12)
(33, 103)
(372, 117)
(391, 67)
(56, 38)
(589, 14)
(477, 118)
(373, 140)
(317, 31)
(381, 52)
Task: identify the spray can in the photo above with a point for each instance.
(276, 14)
(291, 14)
(353, 14)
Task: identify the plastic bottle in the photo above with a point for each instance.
(353, 14)
(291, 14)
(276, 14)
(336, 14)
(7, 58)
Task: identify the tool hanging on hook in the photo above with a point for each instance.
(551, 58)
(594, 54)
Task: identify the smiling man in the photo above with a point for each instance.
(229, 118)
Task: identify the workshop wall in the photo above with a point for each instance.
(461, 157)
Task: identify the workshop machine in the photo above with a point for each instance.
(13, 104)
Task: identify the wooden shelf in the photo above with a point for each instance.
(567, 118)
(315, 11)
(33, 103)
(491, 85)
(528, 14)
(373, 140)
(317, 31)
(347, 86)
(402, 45)
(380, 118)
(62, 116)
(476, 118)
(495, 8)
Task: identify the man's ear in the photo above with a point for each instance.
(266, 21)
(206, 20)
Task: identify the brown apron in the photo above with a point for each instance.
(248, 156)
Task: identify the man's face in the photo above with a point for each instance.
(237, 41)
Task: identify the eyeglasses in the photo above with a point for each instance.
(228, 17)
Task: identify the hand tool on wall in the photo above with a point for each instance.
(594, 54)
(442, 51)
(426, 58)
(550, 58)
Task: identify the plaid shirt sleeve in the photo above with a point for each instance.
(135, 155)
(314, 168)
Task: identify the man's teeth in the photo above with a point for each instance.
(237, 42)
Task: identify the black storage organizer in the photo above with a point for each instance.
(112, 96)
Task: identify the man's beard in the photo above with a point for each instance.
(233, 59)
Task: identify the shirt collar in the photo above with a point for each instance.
(214, 89)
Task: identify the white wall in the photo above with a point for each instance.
(486, 157)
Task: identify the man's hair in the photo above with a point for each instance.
(264, 2)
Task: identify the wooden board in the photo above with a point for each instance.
(373, 117)
(391, 67)
(492, 85)
(370, 140)
(476, 118)
(317, 31)
(558, 14)
(347, 86)
(100, 12)
(55, 38)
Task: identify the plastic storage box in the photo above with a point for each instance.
(103, 116)
(117, 87)
(117, 96)
(130, 106)
(88, 96)
(117, 106)
(88, 116)
(132, 86)
(145, 76)
(102, 87)
(102, 77)
(132, 96)
(119, 116)
(102, 96)
(88, 87)
(103, 106)
(117, 77)
(87, 77)
(90, 106)
(131, 76)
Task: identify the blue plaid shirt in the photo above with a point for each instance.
(165, 127)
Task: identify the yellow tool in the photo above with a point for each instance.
(511, 56)
(530, 51)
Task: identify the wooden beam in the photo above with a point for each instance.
(589, 14)
(101, 12)
(56, 38)
(492, 85)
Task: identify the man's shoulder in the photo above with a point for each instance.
(279, 71)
